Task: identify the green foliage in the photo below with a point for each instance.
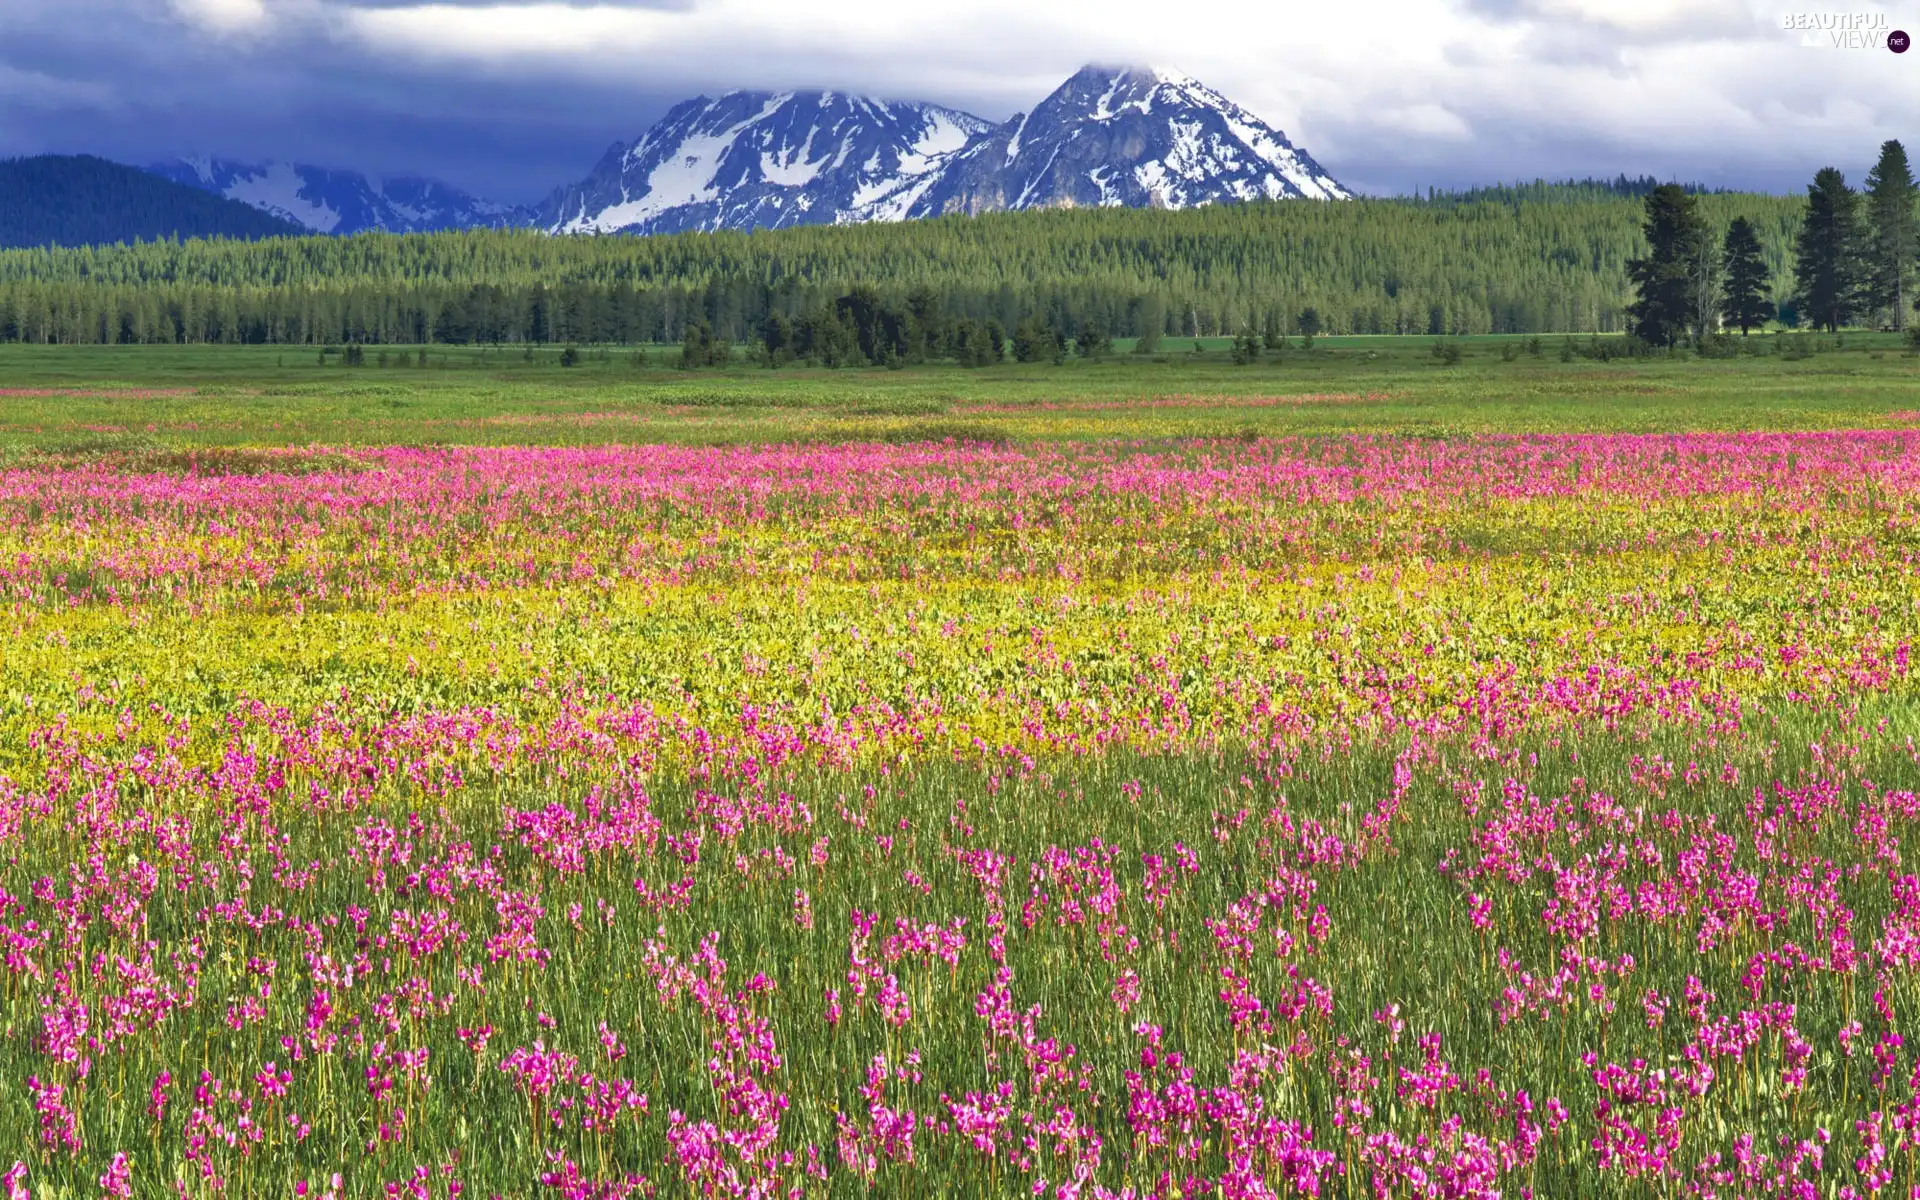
(1149, 323)
(55, 200)
(1744, 304)
(1829, 262)
(974, 343)
(1034, 340)
(701, 347)
(1892, 237)
(1569, 191)
(1673, 281)
(776, 340)
(1246, 347)
(1369, 266)
(247, 396)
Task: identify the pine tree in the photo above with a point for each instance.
(702, 347)
(1890, 203)
(776, 337)
(1036, 341)
(1246, 347)
(1271, 337)
(1744, 303)
(1538, 258)
(1827, 265)
(1149, 323)
(1671, 281)
(1309, 325)
(539, 315)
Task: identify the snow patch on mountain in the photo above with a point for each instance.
(333, 201)
(277, 188)
(1135, 136)
(1145, 137)
(1139, 136)
(751, 160)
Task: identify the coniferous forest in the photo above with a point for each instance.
(80, 200)
(1546, 258)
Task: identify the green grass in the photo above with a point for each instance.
(266, 396)
(886, 837)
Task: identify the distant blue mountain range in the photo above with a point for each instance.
(330, 201)
(59, 200)
(1135, 136)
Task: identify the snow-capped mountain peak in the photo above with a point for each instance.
(1139, 136)
(1142, 136)
(766, 159)
(331, 201)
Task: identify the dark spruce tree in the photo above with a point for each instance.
(1094, 341)
(1246, 346)
(776, 339)
(1827, 267)
(1669, 280)
(1547, 267)
(1744, 300)
(54, 200)
(1036, 341)
(1891, 238)
(1150, 321)
(702, 347)
(1309, 326)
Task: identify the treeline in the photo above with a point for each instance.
(1541, 191)
(76, 200)
(1370, 266)
(1856, 257)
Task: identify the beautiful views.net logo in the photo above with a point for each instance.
(1847, 31)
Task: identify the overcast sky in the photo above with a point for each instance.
(510, 99)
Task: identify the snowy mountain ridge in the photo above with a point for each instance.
(326, 200)
(1135, 136)
(1142, 137)
(757, 160)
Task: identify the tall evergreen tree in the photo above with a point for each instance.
(1828, 261)
(1670, 280)
(539, 315)
(1893, 242)
(1149, 323)
(1744, 302)
(1309, 325)
(1544, 259)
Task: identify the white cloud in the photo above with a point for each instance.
(37, 90)
(1661, 68)
(224, 16)
(1406, 91)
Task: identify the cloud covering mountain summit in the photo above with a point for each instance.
(1134, 136)
(1141, 137)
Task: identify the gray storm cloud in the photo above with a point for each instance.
(511, 99)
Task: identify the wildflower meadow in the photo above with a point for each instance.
(1363, 815)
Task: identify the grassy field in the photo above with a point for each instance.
(1106, 781)
(183, 396)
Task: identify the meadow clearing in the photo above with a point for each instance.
(1357, 776)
